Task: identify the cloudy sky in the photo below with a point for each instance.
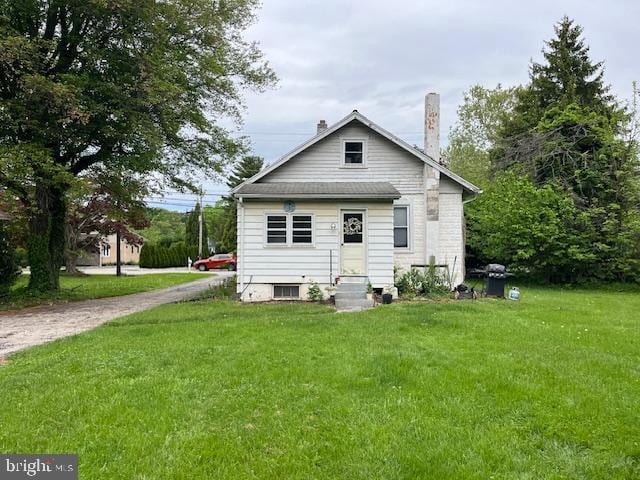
(382, 56)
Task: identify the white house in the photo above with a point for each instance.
(354, 200)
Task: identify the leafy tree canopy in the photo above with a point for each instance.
(568, 207)
(480, 117)
(136, 86)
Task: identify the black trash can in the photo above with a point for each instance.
(496, 275)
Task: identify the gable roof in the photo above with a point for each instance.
(355, 115)
(319, 190)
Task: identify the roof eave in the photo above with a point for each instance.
(325, 196)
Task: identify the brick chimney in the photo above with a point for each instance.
(322, 126)
(432, 126)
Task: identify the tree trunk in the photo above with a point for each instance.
(71, 267)
(47, 237)
(71, 254)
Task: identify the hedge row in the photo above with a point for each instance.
(157, 256)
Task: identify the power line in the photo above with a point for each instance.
(171, 192)
(311, 133)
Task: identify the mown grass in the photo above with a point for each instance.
(91, 286)
(547, 387)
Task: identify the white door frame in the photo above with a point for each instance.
(365, 242)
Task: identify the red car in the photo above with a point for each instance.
(219, 260)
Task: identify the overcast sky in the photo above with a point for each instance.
(382, 56)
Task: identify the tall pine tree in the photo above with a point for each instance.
(567, 76)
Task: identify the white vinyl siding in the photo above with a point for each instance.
(323, 162)
(297, 263)
(451, 237)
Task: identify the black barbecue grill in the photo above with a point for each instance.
(495, 276)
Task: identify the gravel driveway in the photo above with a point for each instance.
(37, 325)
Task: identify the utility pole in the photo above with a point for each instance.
(118, 267)
(200, 229)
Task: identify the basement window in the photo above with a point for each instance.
(286, 291)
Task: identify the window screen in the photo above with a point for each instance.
(401, 227)
(302, 229)
(353, 153)
(286, 291)
(277, 229)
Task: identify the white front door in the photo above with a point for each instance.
(353, 255)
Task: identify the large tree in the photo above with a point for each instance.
(565, 133)
(136, 86)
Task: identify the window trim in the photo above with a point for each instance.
(290, 285)
(289, 230)
(406, 206)
(365, 149)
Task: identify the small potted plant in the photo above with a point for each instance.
(369, 291)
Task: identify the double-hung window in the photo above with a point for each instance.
(354, 153)
(401, 227)
(289, 229)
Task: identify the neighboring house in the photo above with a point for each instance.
(105, 253)
(354, 200)
(4, 216)
(128, 253)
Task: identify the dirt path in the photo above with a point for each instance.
(37, 325)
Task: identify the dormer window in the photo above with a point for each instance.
(354, 153)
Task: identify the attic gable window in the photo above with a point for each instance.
(354, 153)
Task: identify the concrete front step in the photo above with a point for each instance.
(354, 279)
(351, 295)
(352, 287)
(351, 304)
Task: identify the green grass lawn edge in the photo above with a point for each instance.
(92, 287)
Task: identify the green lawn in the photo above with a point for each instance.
(548, 387)
(92, 286)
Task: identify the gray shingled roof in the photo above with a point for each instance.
(319, 190)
